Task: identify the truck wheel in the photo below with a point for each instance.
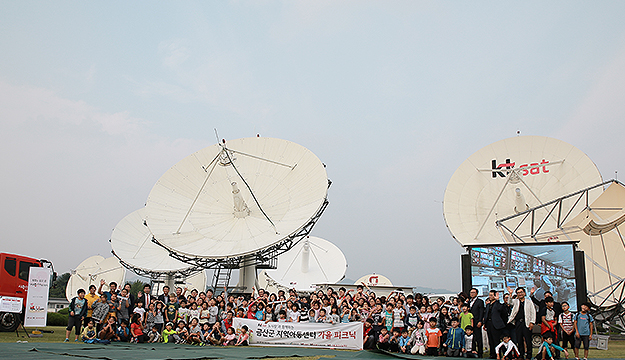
(9, 321)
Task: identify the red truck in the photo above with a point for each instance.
(14, 284)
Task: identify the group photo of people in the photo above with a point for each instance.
(460, 326)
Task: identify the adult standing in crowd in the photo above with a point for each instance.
(131, 298)
(524, 316)
(112, 289)
(145, 297)
(164, 297)
(495, 318)
(91, 297)
(476, 307)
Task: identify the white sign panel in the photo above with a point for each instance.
(318, 335)
(10, 304)
(37, 297)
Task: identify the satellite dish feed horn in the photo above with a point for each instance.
(305, 256)
(240, 207)
(519, 201)
(251, 192)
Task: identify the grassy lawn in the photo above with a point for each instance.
(616, 347)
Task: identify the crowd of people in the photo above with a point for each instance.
(399, 322)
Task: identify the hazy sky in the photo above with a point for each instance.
(99, 99)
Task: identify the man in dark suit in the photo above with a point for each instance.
(146, 297)
(476, 307)
(495, 319)
(164, 297)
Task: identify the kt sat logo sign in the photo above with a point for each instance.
(523, 170)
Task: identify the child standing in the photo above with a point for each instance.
(412, 318)
(140, 311)
(455, 339)
(466, 318)
(547, 316)
(398, 316)
(566, 321)
(434, 338)
(470, 343)
(388, 317)
(159, 319)
(583, 330)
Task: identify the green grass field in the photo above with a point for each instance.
(616, 348)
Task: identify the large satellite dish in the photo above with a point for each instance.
(312, 261)
(91, 271)
(508, 177)
(236, 198)
(131, 241)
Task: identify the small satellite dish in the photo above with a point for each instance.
(374, 280)
(196, 281)
(312, 261)
(236, 198)
(508, 177)
(131, 241)
(91, 271)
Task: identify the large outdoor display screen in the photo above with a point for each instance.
(547, 267)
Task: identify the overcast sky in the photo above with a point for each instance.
(99, 99)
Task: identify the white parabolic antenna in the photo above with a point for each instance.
(236, 198)
(312, 261)
(131, 241)
(91, 271)
(196, 281)
(508, 177)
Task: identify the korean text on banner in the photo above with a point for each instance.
(37, 297)
(10, 304)
(319, 335)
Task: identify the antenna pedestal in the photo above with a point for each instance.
(247, 275)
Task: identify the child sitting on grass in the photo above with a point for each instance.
(89, 333)
(507, 350)
(547, 349)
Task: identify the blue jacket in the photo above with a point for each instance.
(455, 338)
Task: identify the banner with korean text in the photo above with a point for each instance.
(37, 297)
(304, 334)
(10, 304)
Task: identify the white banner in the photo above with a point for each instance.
(37, 297)
(304, 334)
(10, 304)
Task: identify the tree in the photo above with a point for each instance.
(57, 290)
(136, 287)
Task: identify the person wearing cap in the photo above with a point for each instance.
(169, 330)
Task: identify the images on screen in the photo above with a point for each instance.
(548, 267)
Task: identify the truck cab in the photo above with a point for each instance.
(14, 271)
